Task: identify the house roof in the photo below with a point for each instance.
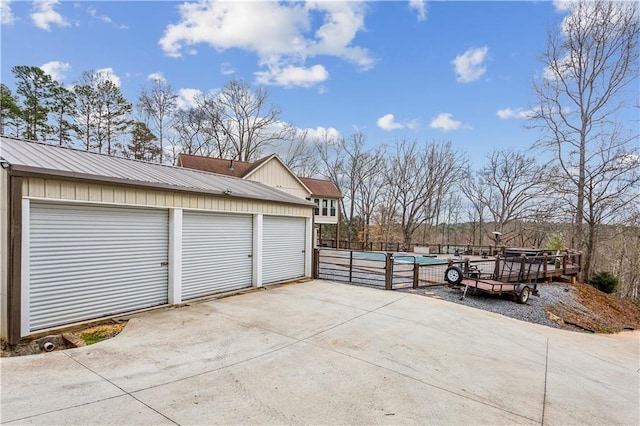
(321, 188)
(317, 187)
(29, 158)
(214, 165)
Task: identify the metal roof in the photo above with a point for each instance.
(35, 158)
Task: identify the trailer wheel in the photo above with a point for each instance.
(524, 295)
(453, 275)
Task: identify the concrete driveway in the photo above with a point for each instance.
(327, 353)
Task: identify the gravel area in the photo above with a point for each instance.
(533, 311)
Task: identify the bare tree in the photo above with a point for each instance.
(299, 153)
(475, 192)
(247, 119)
(511, 187)
(158, 104)
(419, 177)
(371, 176)
(590, 61)
(189, 132)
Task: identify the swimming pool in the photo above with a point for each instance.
(399, 258)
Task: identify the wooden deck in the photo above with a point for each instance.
(358, 267)
(511, 272)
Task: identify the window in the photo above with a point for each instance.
(333, 207)
(324, 207)
(317, 201)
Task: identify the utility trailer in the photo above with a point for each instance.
(526, 269)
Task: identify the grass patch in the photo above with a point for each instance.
(99, 333)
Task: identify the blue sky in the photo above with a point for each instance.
(455, 71)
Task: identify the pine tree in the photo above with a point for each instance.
(10, 114)
(35, 87)
(63, 107)
(142, 145)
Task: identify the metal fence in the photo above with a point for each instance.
(461, 249)
(400, 270)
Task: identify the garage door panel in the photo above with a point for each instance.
(284, 244)
(91, 261)
(216, 253)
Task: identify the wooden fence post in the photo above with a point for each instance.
(351, 266)
(388, 272)
(416, 274)
(316, 263)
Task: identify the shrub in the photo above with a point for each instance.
(556, 242)
(604, 281)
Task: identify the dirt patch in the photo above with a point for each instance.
(596, 311)
(74, 338)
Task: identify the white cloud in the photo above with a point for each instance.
(187, 98)
(508, 113)
(56, 69)
(562, 68)
(420, 7)
(227, 69)
(108, 74)
(470, 65)
(387, 122)
(320, 133)
(563, 5)
(291, 76)
(444, 121)
(104, 18)
(281, 34)
(6, 15)
(157, 76)
(44, 15)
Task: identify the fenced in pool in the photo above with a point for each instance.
(390, 271)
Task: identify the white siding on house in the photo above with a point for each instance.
(75, 191)
(273, 174)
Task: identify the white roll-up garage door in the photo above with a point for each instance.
(216, 253)
(87, 262)
(283, 248)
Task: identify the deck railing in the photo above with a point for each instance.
(462, 249)
(390, 270)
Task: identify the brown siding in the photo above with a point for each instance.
(14, 285)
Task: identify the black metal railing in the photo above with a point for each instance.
(390, 270)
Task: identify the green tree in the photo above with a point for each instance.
(10, 114)
(142, 145)
(555, 243)
(35, 87)
(85, 113)
(114, 115)
(102, 114)
(62, 105)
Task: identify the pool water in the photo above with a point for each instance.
(399, 258)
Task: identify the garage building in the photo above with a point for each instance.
(85, 236)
